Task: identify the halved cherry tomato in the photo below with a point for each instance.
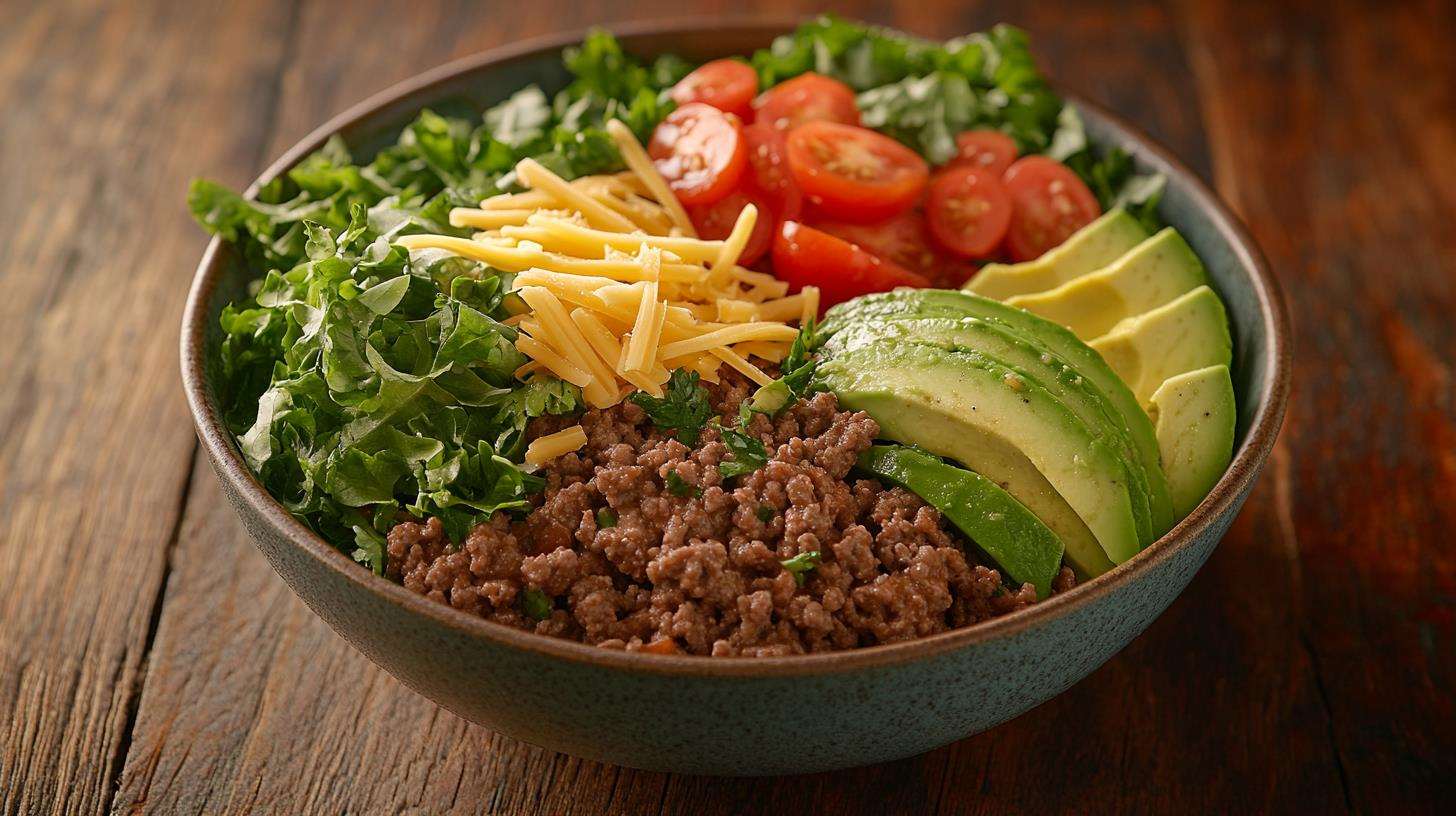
(807, 97)
(853, 173)
(768, 162)
(989, 150)
(967, 211)
(804, 256)
(728, 85)
(715, 221)
(699, 150)
(1048, 204)
(905, 241)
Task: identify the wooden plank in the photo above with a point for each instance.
(95, 254)
(1335, 138)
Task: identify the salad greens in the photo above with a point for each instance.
(364, 382)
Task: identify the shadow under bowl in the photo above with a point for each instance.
(742, 716)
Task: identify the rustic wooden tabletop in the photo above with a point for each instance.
(150, 661)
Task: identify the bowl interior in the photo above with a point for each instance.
(1238, 272)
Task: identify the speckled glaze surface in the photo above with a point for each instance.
(745, 716)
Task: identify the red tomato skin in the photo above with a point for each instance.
(821, 155)
(904, 240)
(804, 256)
(714, 222)
(1049, 203)
(726, 84)
(988, 150)
(699, 150)
(768, 164)
(967, 211)
(807, 97)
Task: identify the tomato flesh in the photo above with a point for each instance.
(768, 165)
(726, 84)
(714, 222)
(903, 240)
(853, 173)
(988, 150)
(1049, 203)
(807, 97)
(968, 211)
(804, 256)
(699, 150)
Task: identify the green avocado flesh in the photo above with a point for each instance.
(1002, 528)
(920, 304)
(1195, 415)
(1092, 247)
(1188, 333)
(1030, 361)
(980, 413)
(1151, 274)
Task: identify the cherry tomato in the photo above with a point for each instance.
(699, 150)
(854, 174)
(1048, 204)
(807, 97)
(989, 150)
(905, 241)
(715, 221)
(967, 210)
(804, 256)
(768, 160)
(728, 85)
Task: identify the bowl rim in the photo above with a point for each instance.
(227, 460)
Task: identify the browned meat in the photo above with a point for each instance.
(627, 562)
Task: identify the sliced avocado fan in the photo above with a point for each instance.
(1059, 343)
(1092, 247)
(1001, 527)
(1029, 361)
(978, 412)
(1147, 276)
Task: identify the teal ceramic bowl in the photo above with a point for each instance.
(744, 716)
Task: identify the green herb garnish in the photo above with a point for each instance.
(683, 409)
(801, 564)
(537, 604)
(765, 513)
(746, 451)
(606, 518)
(678, 486)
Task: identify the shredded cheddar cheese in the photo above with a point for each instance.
(618, 290)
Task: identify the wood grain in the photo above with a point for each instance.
(95, 446)
(1309, 668)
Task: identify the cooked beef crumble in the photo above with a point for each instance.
(630, 563)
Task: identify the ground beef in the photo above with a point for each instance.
(629, 564)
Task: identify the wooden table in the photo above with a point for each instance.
(150, 661)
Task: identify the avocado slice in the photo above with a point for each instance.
(1151, 274)
(1190, 332)
(1092, 247)
(1195, 415)
(1028, 360)
(1001, 527)
(967, 407)
(1059, 342)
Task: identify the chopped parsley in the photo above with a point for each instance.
(683, 408)
(537, 604)
(678, 486)
(801, 564)
(765, 513)
(747, 453)
(606, 518)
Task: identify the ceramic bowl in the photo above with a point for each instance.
(743, 716)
